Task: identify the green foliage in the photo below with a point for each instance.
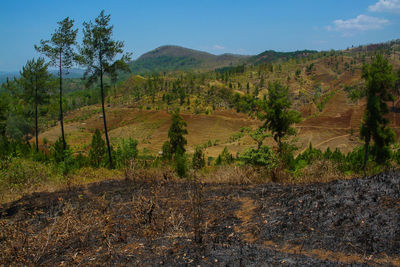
(3, 114)
(181, 165)
(98, 54)
(63, 158)
(59, 49)
(97, 151)
(23, 173)
(99, 50)
(35, 81)
(276, 113)
(176, 134)
(379, 81)
(61, 54)
(166, 151)
(198, 161)
(225, 158)
(126, 152)
(355, 93)
(262, 156)
(57, 151)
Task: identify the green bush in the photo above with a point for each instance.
(126, 152)
(22, 173)
(166, 151)
(264, 156)
(97, 151)
(198, 161)
(180, 165)
(224, 158)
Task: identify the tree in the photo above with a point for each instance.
(276, 113)
(3, 114)
(98, 150)
(35, 81)
(198, 161)
(97, 54)
(59, 49)
(379, 81)
(176, 134)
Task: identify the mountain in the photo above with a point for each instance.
(269, 56)
(171, 58)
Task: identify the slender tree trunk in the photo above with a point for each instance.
(36, 117)
(61, 108)
(104, 114)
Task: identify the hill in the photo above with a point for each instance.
(269, 56)
(171, 58)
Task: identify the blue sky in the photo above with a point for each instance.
(216, 26)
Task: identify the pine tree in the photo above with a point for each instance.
(35, 81)
(97, 54)
(276, 113)
(176, 134)
(379, 80)
(198, 161)
(59, 49)
(98, 150)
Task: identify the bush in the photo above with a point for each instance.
(224, 158)
(97, 152)
(180, 165)
(198, 161)
(57, 151)
(264, 156)
(126, 152)
(166, 151)
(22, 173)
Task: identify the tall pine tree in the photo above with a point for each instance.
(35, 83)
(98, 54)
(59, 49)
(379, 81)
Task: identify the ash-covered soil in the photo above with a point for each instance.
(176, 223)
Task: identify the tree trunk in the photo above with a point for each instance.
(104, 114)
(61, 109)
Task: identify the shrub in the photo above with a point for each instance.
(198, 161)
(22, 173)
(57, 151)
(166, 151)
(97, 152)
(264, 156)
(224, 158)
(180, 165)
(126, 152)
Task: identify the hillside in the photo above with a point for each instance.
(171, 58)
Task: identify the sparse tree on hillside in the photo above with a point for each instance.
(98, 150)
(35, 83)
(176, 134)
(198, 161)
(97, 54)
(276, 113)
(379, 80)
(59, 49)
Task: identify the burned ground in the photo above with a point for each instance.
(154, 222)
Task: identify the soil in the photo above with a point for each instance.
(182, 223)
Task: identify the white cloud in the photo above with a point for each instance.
(386, 6)
(360, 23)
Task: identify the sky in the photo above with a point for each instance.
(216, 26)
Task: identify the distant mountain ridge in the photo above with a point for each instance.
(171, 58)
